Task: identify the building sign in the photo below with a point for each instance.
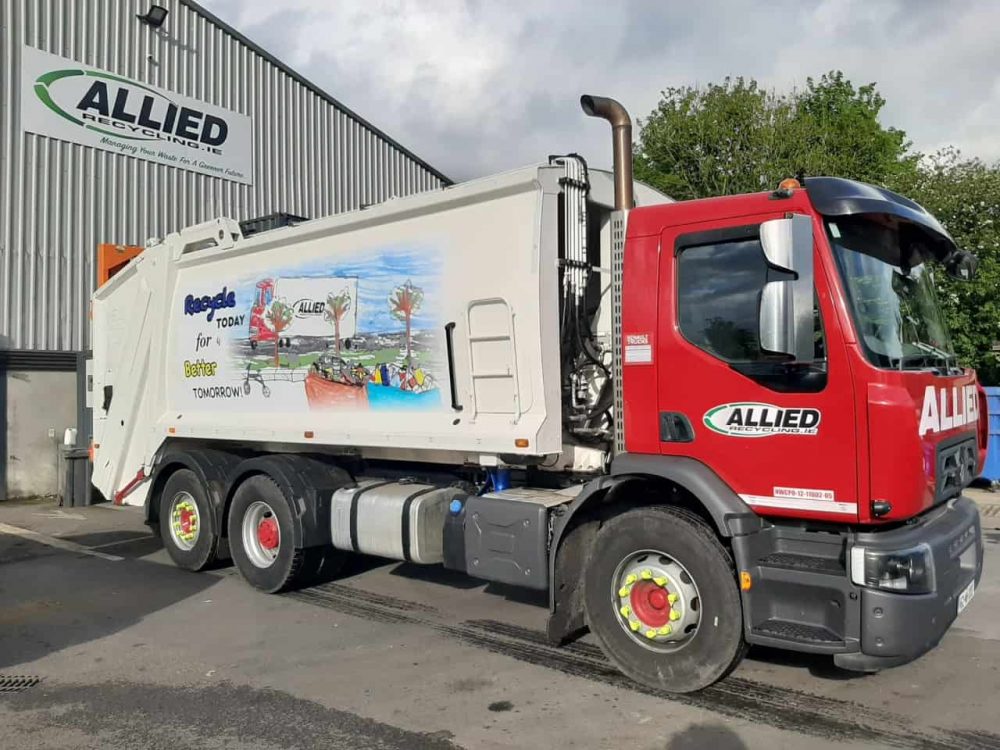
(63, 99)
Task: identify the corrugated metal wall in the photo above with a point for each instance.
(59, 200)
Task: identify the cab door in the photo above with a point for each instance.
(782, 436)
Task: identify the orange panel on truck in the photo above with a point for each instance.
(113, 258)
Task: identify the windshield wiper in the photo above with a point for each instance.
(950, 360)
(930, 353)
(930, 348)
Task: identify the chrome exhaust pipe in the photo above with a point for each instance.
(621, 133)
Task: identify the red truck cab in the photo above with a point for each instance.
(851, 442)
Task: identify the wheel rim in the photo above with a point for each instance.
(185, 522)
(656, 600)
(261, 534)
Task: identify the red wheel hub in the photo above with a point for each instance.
(650, 604)
(187, 518)
(267, 533)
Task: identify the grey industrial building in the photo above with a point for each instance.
(117, 125)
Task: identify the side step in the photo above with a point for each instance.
(801, 593)
(797, 632)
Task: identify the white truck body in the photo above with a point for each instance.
(172, 357)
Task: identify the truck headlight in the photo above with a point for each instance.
(909, 571)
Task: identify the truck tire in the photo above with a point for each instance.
(262, 538)
(660, 594)
(185, 522)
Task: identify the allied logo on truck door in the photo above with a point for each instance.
(947, 408)
(752, 419)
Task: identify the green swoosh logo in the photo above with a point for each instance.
(44, 81)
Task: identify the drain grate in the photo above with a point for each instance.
(17, 683)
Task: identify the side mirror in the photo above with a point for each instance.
(786, 307)
(961, 265)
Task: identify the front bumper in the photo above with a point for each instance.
(896, 628)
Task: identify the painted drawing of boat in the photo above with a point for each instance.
(335, 388)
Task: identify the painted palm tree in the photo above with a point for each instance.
(279, 316)
(404, 301)
(337, 306)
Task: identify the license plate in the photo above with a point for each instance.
(966, 596)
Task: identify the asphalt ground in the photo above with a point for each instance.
(119, 649)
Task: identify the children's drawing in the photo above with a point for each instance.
(337, 306)
(279, 315)
(405, 301)
(354, 333)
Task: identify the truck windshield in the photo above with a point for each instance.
(891, 292)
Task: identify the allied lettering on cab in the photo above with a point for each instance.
(947, 408)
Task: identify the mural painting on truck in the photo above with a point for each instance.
(355, 333)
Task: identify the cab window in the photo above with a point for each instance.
(719, 286)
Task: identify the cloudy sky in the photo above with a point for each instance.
(476, 87)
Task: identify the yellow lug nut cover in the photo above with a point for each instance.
(671, 598)
(661, 582)
(675, 615)
(646, 575)
(623, 591)
(651, 634)
(630, 579)
(626, 611)
(666, 630)
(634, 625)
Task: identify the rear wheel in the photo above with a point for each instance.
(660, 594)
(262, 540)
(185, 526)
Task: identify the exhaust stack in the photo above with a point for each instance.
(621, 132)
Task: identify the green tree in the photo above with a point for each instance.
(279, 317)
(838, 132)
(337, 306)
(735, 137)
(404, 301)
(964, 195)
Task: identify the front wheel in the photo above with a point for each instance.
(660, 595)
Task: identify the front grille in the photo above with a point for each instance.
(956, 468)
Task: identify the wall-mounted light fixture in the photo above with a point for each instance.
(154, 17)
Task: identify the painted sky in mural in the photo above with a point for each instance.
(380, 272)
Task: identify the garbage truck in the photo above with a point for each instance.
(698, 426)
